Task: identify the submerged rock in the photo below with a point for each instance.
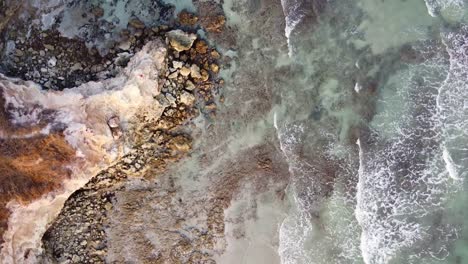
(187, 19)
(136, 23)
(180, 40)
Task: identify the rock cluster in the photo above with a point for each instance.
(78, 233)
(57, 62)
(189, 80)
(192, 72)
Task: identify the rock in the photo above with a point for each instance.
(180, 143)
(211, 107)
(173, 75)
(76, 258)
(171, 99)
(113, 122)
(19, 53)
(195, 72)
(215, 24)
(125, 45)
(77, 66)
(205, 75)
(189, 85)
(42, 53)
(177, 64)
(136, 23)
(98, 12)
(187, 98)
(49, 47)
(180, 40)
(184, 71)
(52, 62)
(187, 19)
(117, 133)
(125, 33)
(201, 47)
(139, 33)
(214, 68)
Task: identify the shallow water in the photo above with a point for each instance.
(385, 75)
(360, 109)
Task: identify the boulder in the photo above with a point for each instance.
(180, 40)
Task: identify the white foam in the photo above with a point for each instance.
(357, 87)
(450, 165)
(435, 6)
(293, 16)
(84, 111)
(405, 180)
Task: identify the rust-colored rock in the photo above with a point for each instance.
(187, 19)
(201, 47)
(215, 54)
(215, 24)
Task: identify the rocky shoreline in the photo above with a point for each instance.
(189, 86)
(190, 78)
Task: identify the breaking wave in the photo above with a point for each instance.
(293, 14)
(410, 162)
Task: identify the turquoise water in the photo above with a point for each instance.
(384, 83)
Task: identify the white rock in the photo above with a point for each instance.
(177, 64)
(52, 62)
(187, 98)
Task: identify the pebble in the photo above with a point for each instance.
(214, 68)
(187, 98)
(184, 71)
(113, 122)
(76, 258)
(173, 75)
(136, 23)
(189, 85)
(125, 45)
(177, 64)
(19, 53)
(76, 66)
(52, 62)
(49, 47)
(171, 99)
(195, 72)
(211, 107)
